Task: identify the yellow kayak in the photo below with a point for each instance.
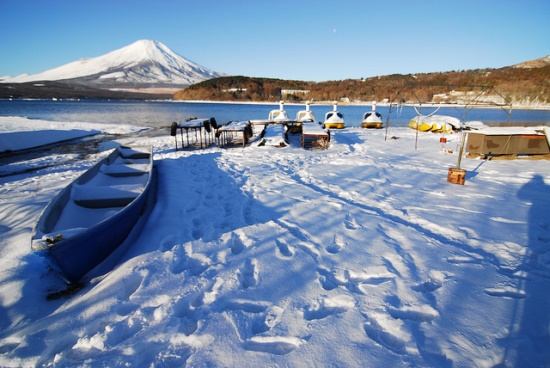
(423, 127)
(434, 123)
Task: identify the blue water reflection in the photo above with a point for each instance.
(159, 114)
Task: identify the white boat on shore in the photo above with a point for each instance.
(305, 116)
(372, 119)
(93, 215)
(278, 116)
(334, 119)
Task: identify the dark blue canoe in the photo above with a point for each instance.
(92, 216)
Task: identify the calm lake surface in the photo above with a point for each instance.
(162, 114)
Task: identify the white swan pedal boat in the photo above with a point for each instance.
(334, 119)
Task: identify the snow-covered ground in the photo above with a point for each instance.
(362, 255)
(19, 133)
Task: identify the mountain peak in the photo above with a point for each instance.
(140, 64)
(146, 48)
(531, 64)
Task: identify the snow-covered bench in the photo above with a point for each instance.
(225, 133)
(105, 196)
(313, 134)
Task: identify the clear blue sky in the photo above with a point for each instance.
(314, 40)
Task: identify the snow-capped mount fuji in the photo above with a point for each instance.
(143, 64)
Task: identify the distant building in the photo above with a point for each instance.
(234, 90)
(289, 92)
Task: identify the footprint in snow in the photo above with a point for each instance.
(228, 209)
(130, 285)
(168, 242)
(252, 317)
(197, 264)
(416, 313)
(427, 286)
(107, 338)
(209, 295)
(185, 260)
(188, 326)
(248, 275)
(278, 345)
(336, 245)
(284, 248)
(248, 214)
(178, 259)
(350, 222)
(307, 242)
(330, 279)
(187, 314)
(246, 305)
(197, 229)
(120, 331)
(432, 283)
(236, 244)
(389, 340)
(328, 306)
(270, 319)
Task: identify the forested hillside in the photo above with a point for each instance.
(517, 85)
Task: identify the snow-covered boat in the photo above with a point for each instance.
(420, 125)
(334, 119)
(372, 119)
(304, 116)
(435, 123)
(278, 116)
(93, 215)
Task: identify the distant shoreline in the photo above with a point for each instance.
(385, 104)
(272, 103)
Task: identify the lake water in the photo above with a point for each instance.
(161, 114)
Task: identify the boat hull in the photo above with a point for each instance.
(370, 125)
(334, 119)
(334, 125)
(372, 119)
(74, 255)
